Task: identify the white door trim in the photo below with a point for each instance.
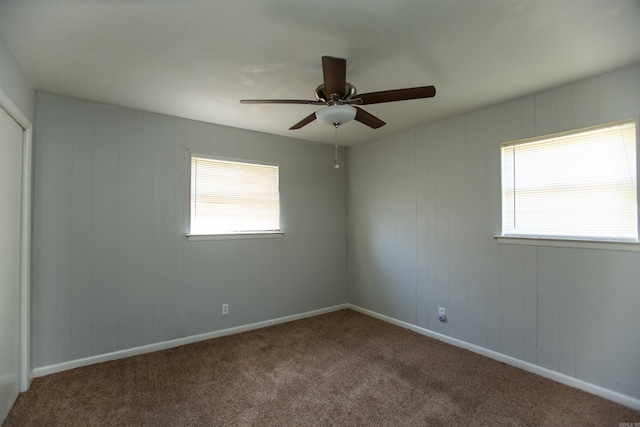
(25, 374)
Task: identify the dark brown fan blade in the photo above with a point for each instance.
(397, 95)
(368, 119)
(311, 117)
(280, 101)
(335, 75)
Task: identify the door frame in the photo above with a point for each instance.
(25, 371)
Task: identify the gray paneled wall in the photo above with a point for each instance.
(424, 207)
(112, 269)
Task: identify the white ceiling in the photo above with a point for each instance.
(198, 58)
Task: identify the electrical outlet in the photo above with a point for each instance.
(225, 308)
(442, 314)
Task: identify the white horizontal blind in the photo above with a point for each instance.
(579, 185)
(233, 197)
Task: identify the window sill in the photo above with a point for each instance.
(569, 243)
(234, 236)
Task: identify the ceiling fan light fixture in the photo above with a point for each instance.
(336, 114)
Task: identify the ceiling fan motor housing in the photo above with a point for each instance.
(350, 92)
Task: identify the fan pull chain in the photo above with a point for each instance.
(336, 164)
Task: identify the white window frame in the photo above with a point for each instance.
(586, 243)
(257, 234)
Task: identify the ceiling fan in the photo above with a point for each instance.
(339, 97)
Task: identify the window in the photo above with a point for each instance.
(578, 185)
(233, 197)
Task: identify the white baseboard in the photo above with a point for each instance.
(614, 396)
(64, 366)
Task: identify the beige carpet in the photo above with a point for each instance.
(338, 369)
